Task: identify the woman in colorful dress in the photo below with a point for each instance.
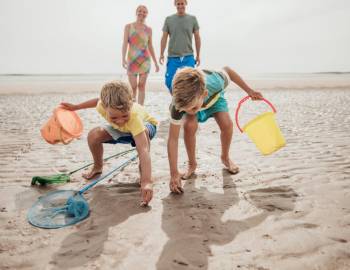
(138, 43)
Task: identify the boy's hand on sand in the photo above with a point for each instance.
(255, 95)
(175, 184)
(68, 106)
(146, 193)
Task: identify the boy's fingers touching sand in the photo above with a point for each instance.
(146, 193)
(175, 184)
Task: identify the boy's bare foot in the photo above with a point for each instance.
(230, 166)
(190, 171)
(93, 173)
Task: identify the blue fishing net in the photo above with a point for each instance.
(62, 208)
(58, 209)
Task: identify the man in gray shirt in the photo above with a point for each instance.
(180, 27)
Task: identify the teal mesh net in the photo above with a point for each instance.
(58, 209)
(62, 208)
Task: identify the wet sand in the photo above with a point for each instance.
(289, 210)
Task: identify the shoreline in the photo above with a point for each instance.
(84, 85)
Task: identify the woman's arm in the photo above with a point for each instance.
(125, 46)
(151, 50)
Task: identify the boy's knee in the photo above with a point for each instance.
(227, 126)
(147, 134)
(191, 126)
(95, 135)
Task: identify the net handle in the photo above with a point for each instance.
(120, 154)
(123, 165)
(244, 100)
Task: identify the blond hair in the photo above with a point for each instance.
(116, 95)
(188, 85)
(142, 6)
(175, 1)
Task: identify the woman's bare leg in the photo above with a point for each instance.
(133, 84)
(142, 88)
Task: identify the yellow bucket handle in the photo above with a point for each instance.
(245, 99)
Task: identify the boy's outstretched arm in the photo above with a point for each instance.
(142, 147)
(242, 84)
(173, 139)
(92, 103)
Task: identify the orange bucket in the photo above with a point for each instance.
(62, 127)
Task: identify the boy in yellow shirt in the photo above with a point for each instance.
(128, 123)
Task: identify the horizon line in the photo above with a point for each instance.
(104, 74)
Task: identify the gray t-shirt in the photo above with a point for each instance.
(180, 29)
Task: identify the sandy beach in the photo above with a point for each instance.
(286, 211)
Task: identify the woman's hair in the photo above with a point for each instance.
(141, 6)
(188, 84)
(116, 95)
(177, 0)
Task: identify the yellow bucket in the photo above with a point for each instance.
(263, 130)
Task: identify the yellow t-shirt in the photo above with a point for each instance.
(135, 125)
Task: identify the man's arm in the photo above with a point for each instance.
(197, 41)
(173, 140)
(242, 84)
(163, 43)
(142, 147)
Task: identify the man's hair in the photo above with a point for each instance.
(188, 84)
(116, 95)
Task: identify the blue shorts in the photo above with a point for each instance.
(127, 138)
(219, 106)
(173, 64)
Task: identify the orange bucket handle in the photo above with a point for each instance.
(244, 100)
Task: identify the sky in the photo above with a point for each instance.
(252, 36)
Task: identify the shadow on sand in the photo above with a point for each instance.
(109, 207)
(193, 221)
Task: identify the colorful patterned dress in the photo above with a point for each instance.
(139, 60)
